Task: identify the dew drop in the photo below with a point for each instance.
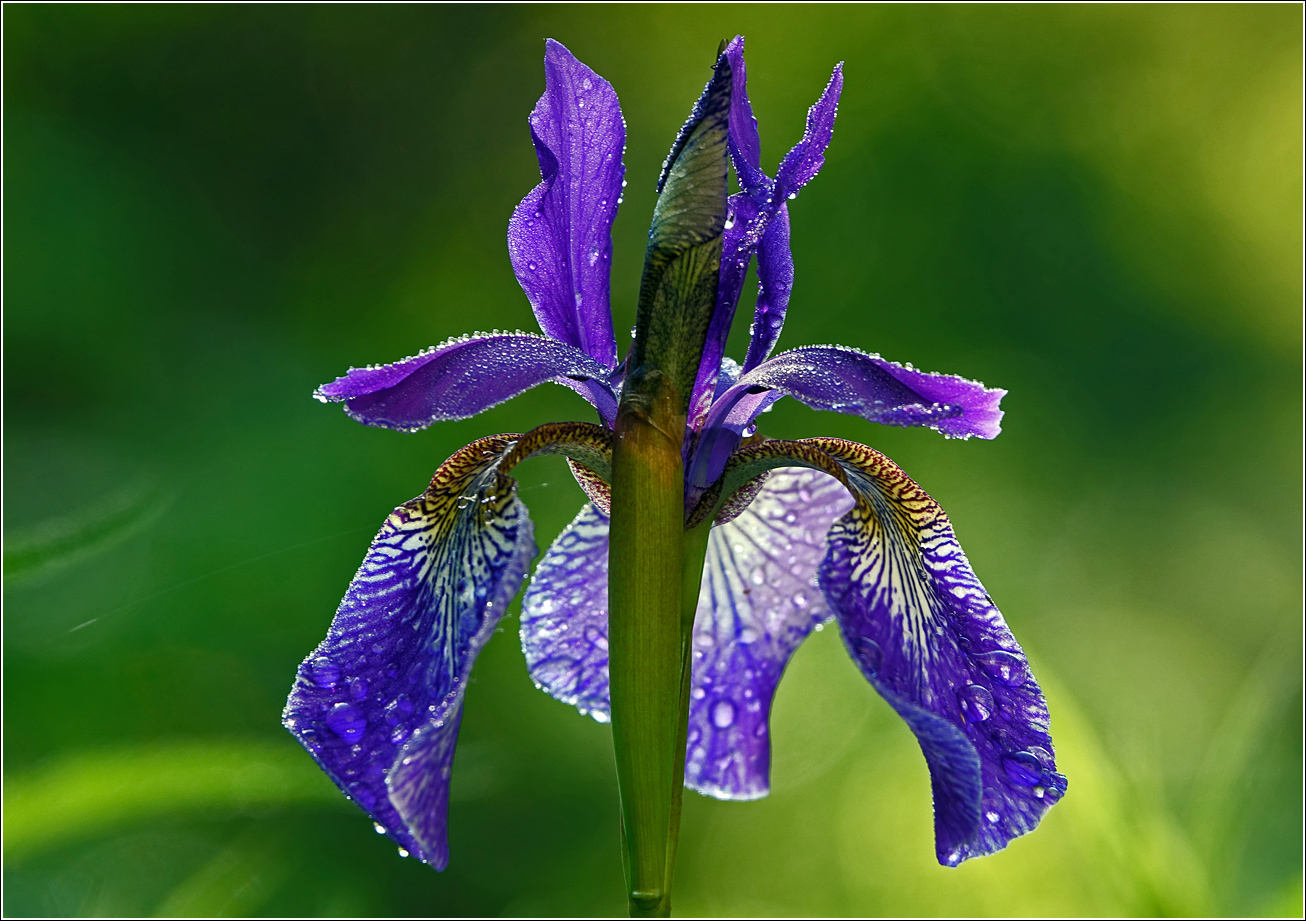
(1005, 666)
(723, 714)
(345, 720)
(324, 672)
(1023, 768)
(819, 627)
(869, 655)
(403, 853)
(380, 829)
(358, 688)
(698, 693)
(976, 703)
(992, 816)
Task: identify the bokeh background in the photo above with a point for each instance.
(209, 210)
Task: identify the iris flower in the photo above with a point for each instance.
(706, 553)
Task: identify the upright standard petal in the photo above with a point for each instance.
(559, 238)
(759, 599)
(927, 636)
(378, 703)
(465, 376)
(759, 223)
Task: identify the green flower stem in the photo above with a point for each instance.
(644, 634)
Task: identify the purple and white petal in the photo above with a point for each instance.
(465, 376)
(564, 616)
(559, 237)
(841, 379)
(378, 703)
(806, 158)
(759, 600)
(926, 634)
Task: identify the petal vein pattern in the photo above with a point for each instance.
(378, 703)
(759, 600)
(927, 635)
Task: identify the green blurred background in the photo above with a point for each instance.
(209, 210)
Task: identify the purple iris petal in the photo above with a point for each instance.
(745, 142)
(736, 250)
(465, 376)
(559, 237)
(378, 703)
(928, 637)
(845, 380)
(759, 600)
(775, 281)
(759, 222)
(806, 158)
(564, 616)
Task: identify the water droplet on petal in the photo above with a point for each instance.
(723, 714)
(1023, 768)
(403, 853)
(346, 721)
(976, 703)
(380, 829)
(698, 694)
(992, 816)
(869, 655)
(1005, 666)
(324, 672)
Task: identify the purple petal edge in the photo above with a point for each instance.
(847, 380)
(559, 237)
(928, 637)
(379, 702)
(465, 376)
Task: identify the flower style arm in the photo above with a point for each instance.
(378, 703)
(466, 376)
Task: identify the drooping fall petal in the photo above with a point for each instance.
(928, 637)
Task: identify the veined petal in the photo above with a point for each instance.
(927, 636)
(564, 616)
(465, 376)
(758, 600)
(378, 703)
(841, 379)
(559, 237)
